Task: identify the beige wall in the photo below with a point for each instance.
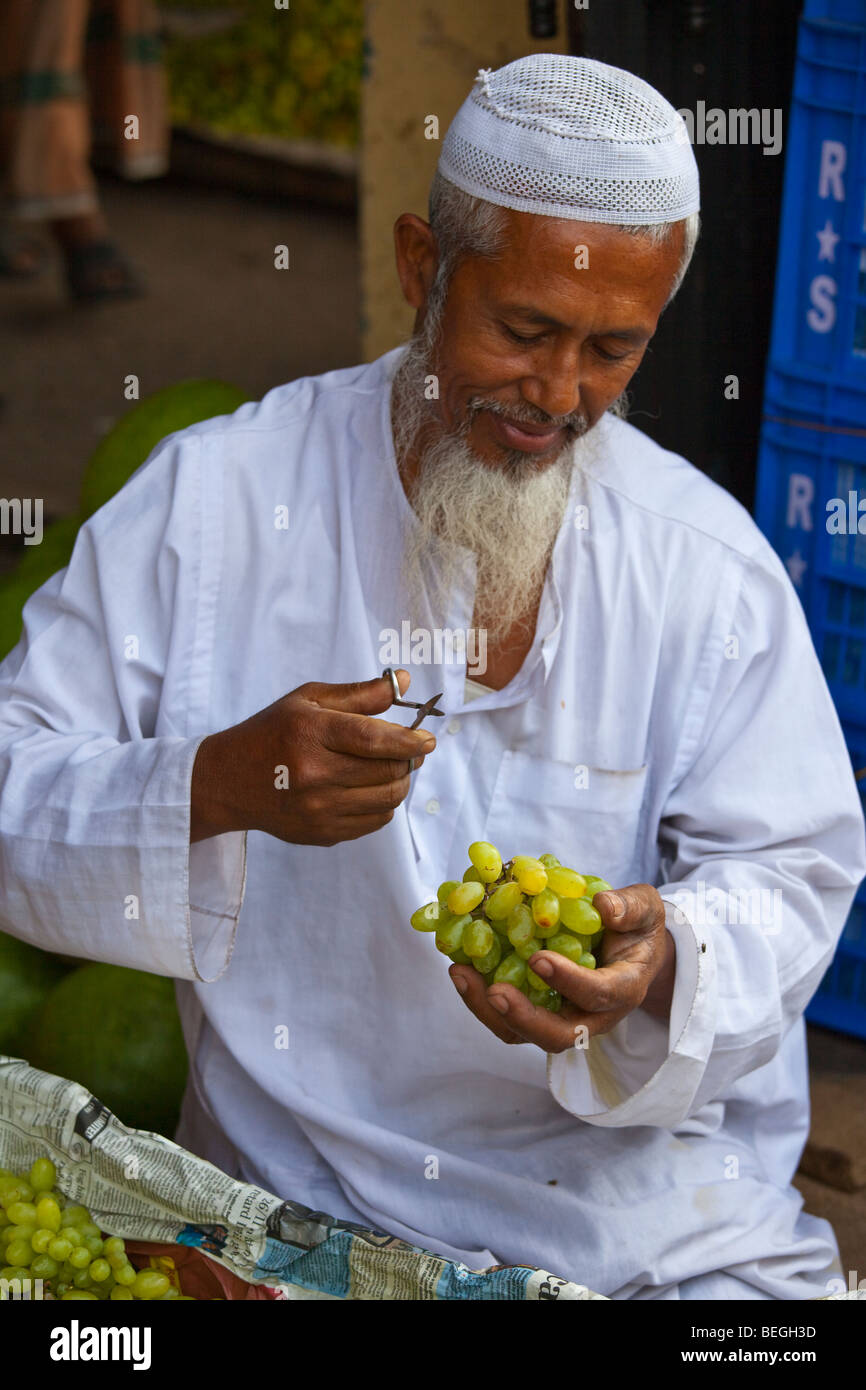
(422, 60)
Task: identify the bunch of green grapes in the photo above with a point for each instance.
(45, 1237)
(501, 914)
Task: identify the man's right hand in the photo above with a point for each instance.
(346, 771)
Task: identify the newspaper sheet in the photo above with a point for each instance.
(144, 1187)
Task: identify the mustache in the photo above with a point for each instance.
(522, 413)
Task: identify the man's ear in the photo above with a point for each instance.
(416, 255)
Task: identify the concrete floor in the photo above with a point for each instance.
(217, 307)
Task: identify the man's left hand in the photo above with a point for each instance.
(636, 969)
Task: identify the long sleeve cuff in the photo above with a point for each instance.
(643, 1072)
(217, 870)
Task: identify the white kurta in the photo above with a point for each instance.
(637, 742)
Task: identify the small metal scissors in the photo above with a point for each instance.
(423, 709)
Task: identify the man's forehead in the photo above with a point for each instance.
(542, 259)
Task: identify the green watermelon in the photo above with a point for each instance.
(117, 1032)
(53, 551)
(36, 565)
(27, 975)
(142, 427)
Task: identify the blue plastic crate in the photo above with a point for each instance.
(811, 484)
(819, 319)
(808, 394)
(840, 1002)
(839, 11)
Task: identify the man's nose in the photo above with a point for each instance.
(555, 388)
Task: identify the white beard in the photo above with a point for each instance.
(507, 515)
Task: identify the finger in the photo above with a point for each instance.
(356, 697)
(359, 801)
(360, 736)
(628, 909)
(551, 1032)
(344, 828)
(621, 985)
(341, 771)
(475, 999)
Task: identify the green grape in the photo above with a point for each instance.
(43, 1267)
(78, 1294)
(100, 1269)
(169, 1295)
(449, 937)
(503, 901)
(535, 981)
(486, 859)
(510, 971)
(125, 1275)
(459, 957)
(519, 924)
(19, 1191)
(94, 1245)
(115, 1245)
(87, 1228)
(579, 915)
(79, 1258)
(587, 960)
(150, 1284)
(428, 917)
(73, 1234)
(472, 875)
(566, 883)
(48, 1213)
(549, 999)
(478, 939)
(530, 874)
(43, 1175)
(528, 948)
(75, 1215)
(445, 889)
(118, 1293)
(565, 944)
(549, 861)
(486, 964)
(4, 1218)
(22, 1214)
(594, 885)
(81, 1278)
(545, 912)
(61, 1249)
(24, 1232)
(14, 1272)
(19, 1252)
(60, 1287)
(464, 897)
(41, 1239)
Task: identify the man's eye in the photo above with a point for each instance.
(518, 338)
(610, 356)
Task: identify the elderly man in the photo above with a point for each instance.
(649, 708)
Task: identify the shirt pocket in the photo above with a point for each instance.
(591, 818)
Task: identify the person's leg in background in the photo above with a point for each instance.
(46, 108)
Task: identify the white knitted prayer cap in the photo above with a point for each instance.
(570, 137)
